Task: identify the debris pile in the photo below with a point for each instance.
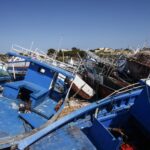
(73, 104)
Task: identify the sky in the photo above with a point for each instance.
(86, 24)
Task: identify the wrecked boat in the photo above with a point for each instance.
(81, 88)
(136, 67)
(27, 104)
(101, 74)
(17, 67)
(118, 122)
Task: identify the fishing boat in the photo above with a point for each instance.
(102, 74)
(27, 104)
(118, 122)
(18, 67)
(136, 66)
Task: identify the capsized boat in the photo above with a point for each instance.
(30, 103)
(82, 88)
(118, 122)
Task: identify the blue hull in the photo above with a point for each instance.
(111, 124)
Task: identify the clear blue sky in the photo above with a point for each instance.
(81, 23)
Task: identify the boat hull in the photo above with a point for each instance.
(81, 88)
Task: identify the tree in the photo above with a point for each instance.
(82, 54)
(51, 51)
(60, 53)
(75, 49)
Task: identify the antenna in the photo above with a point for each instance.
(59, 45)
(137, 49)
(145, 45)
(31, 45)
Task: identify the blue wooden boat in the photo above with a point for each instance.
(118, 122)
(27, 104)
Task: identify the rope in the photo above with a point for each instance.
(124, 89)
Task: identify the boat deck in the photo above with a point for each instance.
(10, 123)
(13, 122)
(67, 138)
(46, 108)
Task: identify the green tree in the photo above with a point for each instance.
(60, 53)
(51, 51)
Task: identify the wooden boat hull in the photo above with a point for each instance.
(82, 88)
(137, 70)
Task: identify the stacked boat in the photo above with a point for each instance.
(29, 111)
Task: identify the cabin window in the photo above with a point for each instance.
(42, 70)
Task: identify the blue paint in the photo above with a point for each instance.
(46, 108)
(73, 139)
(101, 137)
(141, 109)
(33, 119)
(11, 90)
(10, 124)
(34, 76)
